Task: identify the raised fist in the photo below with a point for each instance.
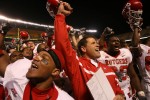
(70, 30)
(108, 31)
(4, 28)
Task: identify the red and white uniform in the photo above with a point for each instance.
(120, 64)
(54, 93)
(79, 70)
(2, 92)
(145, 69)
(15, 79)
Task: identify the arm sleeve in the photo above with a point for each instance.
(63, 44)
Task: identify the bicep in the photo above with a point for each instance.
(131, 71)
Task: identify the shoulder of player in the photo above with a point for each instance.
(103, 52)
(144, 46)
(124, 50)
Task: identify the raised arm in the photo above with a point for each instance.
(102, 41)
(62, 40)
(4, 58)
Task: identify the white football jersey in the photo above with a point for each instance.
(62, 95)
(145, 58)
(15, 79)
(120, 64)
(145, 63)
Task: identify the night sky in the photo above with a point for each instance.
(92, 14)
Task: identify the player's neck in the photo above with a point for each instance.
(113, 53)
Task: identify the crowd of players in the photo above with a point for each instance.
(59, 67)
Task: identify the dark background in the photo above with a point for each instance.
(92, 14)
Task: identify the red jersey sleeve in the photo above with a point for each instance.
(63, 44)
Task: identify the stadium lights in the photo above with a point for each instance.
(140, 38)
(91, 31)
(24, 24)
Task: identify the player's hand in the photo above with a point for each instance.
(4, 28)
(65, 9)
(107, 31)
(82, 31)
(136, 23)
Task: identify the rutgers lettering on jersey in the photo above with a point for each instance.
(120, 64)
(116, 61)
(13, 91)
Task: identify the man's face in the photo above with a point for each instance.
(15, 56)
(42, 47)
(92, 49)
(45, 38)
(28, 53)
(31, 45)
(42, 67)
(114, 44)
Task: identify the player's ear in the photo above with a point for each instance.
(55, 72)
(83, 49)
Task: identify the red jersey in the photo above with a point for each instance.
(53, 93)
(2, 92)
(79, 70)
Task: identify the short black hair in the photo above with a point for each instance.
(83, 42)
(107, 37)
(39, 48)
(55, 59)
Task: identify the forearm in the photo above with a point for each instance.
(135, 83)
(135, 37)
(74, 42)
(62, 40)
(63, 43)
(102, 41)
(4, 28)
(2, 41)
